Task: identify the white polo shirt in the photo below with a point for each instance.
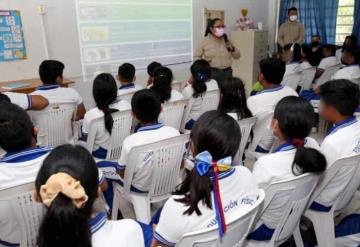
(120, 233)
(305, 65)
(342, 141)
(293, 68)
(328, 62)
(102, 135)
(350, 72)
(59, 95)
(273, 168)
(175, 96)
(129, 88)
(20, 99)
(144, 135)
(338, 54)
(16, 169)
(196, 108)
(234, 184)
(265, 101)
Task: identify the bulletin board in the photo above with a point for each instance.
(12, 45)
(212, 14)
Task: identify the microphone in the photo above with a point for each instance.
(229, 46)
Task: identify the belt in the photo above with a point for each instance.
(217, 69)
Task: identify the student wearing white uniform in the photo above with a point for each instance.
(338, 102)
(25, 101)
(291, 55)
(233, 99)
(150, 70)
(199, 83)
(351, 60)
(126, 77)
(297, 154)
(305, 54)
(51, 74)
(105, 96)
(328, 61)
(19, 165)
(349, 42)
(271, 74)
(163, 78)
(215, 137)
(67, 184)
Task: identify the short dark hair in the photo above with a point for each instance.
(342, 94)
(49, 70)
(152, 67)
(4, 97)
(16, 128)
(353, 39)
(292, 9)
(273, 70)
(146, 106)
(315, 36)
(330, 47)
(355, 52)
(126, 72)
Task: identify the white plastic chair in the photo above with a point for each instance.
(348, 170)
(246, 125)
(121, 129)
(308, 76)
(27, 212)
(173, 113)
(56, 124)
(293, 196)
(237, 229)
(292, 80)
(167, 157)
(127, 96)
(327, 75)
(177, 85)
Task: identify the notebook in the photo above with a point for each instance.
(14, 85)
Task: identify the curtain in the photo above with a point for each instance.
(356, 28)
(318, 17)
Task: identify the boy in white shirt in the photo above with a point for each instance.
(271, 74)
(19, 165)
(328, 61)
(338, 102)
(26, 101)
(51, 74)
(126, 77)
(351, 59)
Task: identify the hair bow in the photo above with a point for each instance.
(205, 164)
(298, 142)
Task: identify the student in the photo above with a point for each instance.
(51, 74)
(233, 99)
(338, 102)
(297, 154)
(351, 60)
(272, 71)
(19, 165)
(67, 184)
(199, 83)
(162, 80)
(349, 42)
(214, 138)
(328, 61)
(126, 77)
(26, 101)
(315, 54)
(105, 95)
(150, 70)
(291, 55)
(305, 56)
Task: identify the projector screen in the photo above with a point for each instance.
(112, 32)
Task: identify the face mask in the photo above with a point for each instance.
(315, 44)
(219, 32)
(293, 17)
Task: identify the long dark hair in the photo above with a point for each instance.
(211, 23)
(201, 72)
(295, 116)
(234, 98)
(296, 51)
(218, 134)
(163, 78)
(64, 224)
(105, 93)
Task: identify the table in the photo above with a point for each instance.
(31, 87)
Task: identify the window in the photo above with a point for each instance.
(345, 20)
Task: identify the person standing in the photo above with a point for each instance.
(291, 31)
(217, 49)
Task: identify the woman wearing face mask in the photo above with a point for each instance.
(291, 31)
(217, 50)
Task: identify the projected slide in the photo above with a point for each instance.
(138, 31)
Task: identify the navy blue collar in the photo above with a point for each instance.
(284, 147)
(273, 89)
(347, 122)
(130, 85)
(26, 155)
(48, 87)
(97, 222)
(151, 127)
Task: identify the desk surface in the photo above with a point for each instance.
(31, 86)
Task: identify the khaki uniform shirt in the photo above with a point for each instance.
(291, 32)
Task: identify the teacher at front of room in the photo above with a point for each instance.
(291, 31)
(217, 50)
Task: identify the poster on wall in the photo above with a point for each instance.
(12, 44)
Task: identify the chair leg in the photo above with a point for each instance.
(324, 227)
(297, 237)
(142, 208)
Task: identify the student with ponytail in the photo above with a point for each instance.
(214, 142)
(105, 96)
(297, 154)
(67, 184)
(199, 83)
(162, 80)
